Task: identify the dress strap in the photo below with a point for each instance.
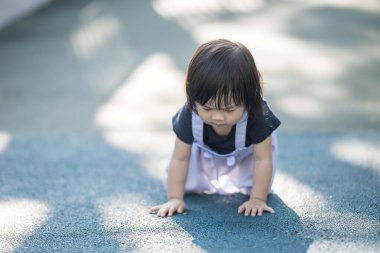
(241, 129)
(240, 136)
(197, 127)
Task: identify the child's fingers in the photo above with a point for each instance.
(269, 209)
(180, 209)
(163, 211)
(254, 211)
(171, 211)
(248, 210)
(241, 208)
(154, 209)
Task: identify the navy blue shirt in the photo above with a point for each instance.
(258, 129)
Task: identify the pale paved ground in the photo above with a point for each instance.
(87, 90)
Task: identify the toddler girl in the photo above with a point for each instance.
(225, 133)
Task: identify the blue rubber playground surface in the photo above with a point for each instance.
(87, 91)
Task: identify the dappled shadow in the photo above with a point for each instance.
(75, 54)
(308, 158)
(344, 28)
(216, 226)
(335, 87)
(345, 192)
(60, 65)
(68, 174)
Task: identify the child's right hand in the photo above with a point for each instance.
(173, 205)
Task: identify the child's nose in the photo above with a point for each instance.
(217, 116)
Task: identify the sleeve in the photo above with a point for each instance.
(258, 129)
(182, 126)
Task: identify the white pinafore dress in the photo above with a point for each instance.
(213, 173)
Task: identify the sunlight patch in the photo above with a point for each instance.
(190, 14)
(126, 219)
(19, 218)
(312, 207)
(342, 246)
(273, 48)
(357, 152)
(184, 8)
(145, 101)
(5, 138)
(143, 126)
(300, 197)
(93, 35)
(301, 106)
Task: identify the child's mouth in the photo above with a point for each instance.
(218, 125)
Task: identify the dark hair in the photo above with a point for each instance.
(224, 71)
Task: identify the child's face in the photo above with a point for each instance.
(222, 119)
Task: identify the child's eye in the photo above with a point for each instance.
(230, 110)
(206, 108)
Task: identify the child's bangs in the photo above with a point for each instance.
(222, 92)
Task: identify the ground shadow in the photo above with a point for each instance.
(215, 225)
(339, 27)
(349, 190)
(69, 174)
(75, 55)
(344, 93)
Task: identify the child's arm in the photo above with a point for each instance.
(177, 173)
(262, 174)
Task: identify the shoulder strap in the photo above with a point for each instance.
(241, 129)
(197, 127)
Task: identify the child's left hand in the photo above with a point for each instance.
(253, 206)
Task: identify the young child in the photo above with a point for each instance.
(226, 141)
